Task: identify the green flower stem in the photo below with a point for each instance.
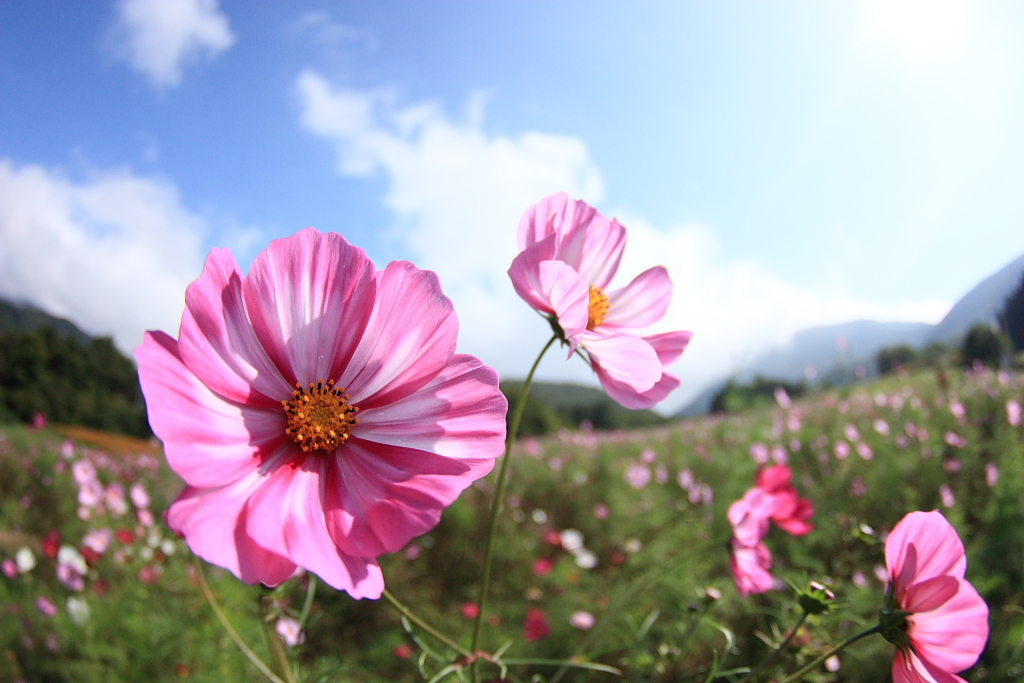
(245, 650)
(485, 582)
(408, 614)
(308, 604)
(774, 653)
(817, 662)
(275, 644)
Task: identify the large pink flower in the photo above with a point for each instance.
(569, 254)
(285, 468)
(934, 616)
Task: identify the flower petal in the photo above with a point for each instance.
(929, 594)
(593, 246)
(526, 277)
(309, 297)
(939, 551)
(909, 668)
(538, 221)
(212, 520)
(624, 358)
(208, 441)
(952, 636)
(285, 514)
(378, 497)
(217, 341)
(669, 345)
(459, 414)
(586, 240)
(750, 567)
(641, 303)
(553, 288)
(409, 338)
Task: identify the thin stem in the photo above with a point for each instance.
(308, 604)
(250, 655)
(275, 644)
(774, 653)
(510, 438)
(817, 662)
(408, 614)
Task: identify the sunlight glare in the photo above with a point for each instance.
(922, 29)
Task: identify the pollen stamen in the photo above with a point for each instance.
(599, 306)
(319, 417)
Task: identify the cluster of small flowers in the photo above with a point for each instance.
(772, 499)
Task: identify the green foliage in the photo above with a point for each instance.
(736, 398)
(982, 343)
(91, 385)
(895, 358)
(661, 587)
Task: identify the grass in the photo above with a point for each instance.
(657, 550)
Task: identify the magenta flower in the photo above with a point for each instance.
(772, 498)
(935, 617)
(536, 625)
(569, 255)
(750, 565)
(285, 468)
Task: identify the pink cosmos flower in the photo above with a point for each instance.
(582, 620)
(569, 254)
(46, 606)
(750, 567)
(1013, 412)
(772, 498)
(289, 631)
(638, 476)
(284, 467)
(139, 495)
(935, 617)
(791, 513)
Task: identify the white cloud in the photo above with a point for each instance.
(739, 308)
(113, 253)
(458, 193)
(159, 37)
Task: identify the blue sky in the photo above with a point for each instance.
(792, 164)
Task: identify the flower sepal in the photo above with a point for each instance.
(892, 622)
(817, 598)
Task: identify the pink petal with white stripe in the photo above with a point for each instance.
(208, 441)
(641, 303)
(298, 291)
(285, 514)
(409, 338)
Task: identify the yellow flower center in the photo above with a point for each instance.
(599, 305)
(319, 417)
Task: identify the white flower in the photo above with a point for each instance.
(78, 610)
(25, 559)
(572, 540)
(71, 557)
(586, 559)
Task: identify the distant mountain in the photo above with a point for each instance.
(983, 304)
(25, 318)
(835, 351)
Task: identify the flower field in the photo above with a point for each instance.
(613, 548)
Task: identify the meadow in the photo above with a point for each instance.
(613, 549)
